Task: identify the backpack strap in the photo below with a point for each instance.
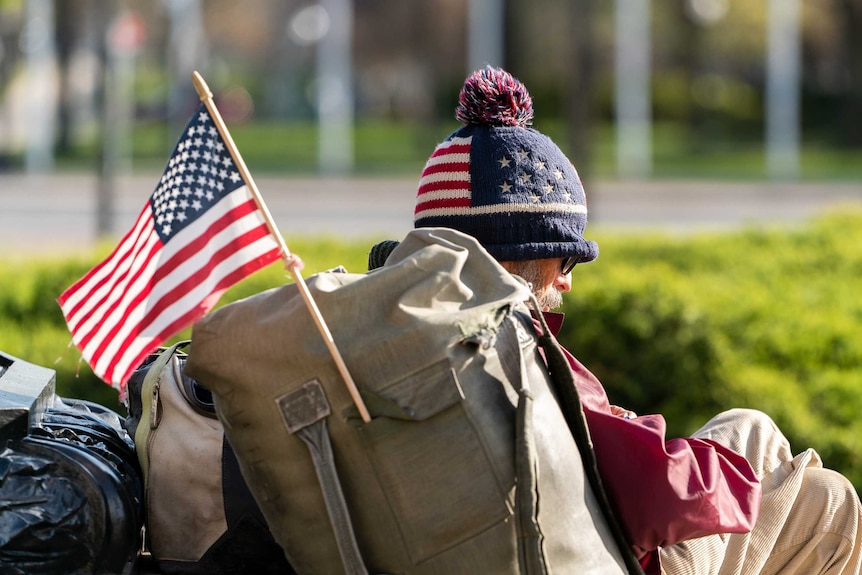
(150, 404)
(531, 552)
(305, 411)
(570, 403)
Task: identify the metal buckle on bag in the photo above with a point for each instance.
(303, 406)
(155, 411)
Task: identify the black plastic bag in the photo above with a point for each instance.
(70, 494)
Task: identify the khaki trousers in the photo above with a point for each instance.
(809, 520)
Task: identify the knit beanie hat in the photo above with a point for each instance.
(503, 182)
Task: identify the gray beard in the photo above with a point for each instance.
(531, 272)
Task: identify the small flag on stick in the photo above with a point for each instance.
(200, 232)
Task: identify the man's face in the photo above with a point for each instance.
(547, 278)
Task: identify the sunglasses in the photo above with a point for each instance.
(568, 264)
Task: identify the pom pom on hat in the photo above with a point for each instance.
(494, 97)
(503, 182)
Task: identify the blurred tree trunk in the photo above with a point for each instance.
(513, 16)
(107, 160)
(10, 36)
(850, 111)
(687, 52)
(580, 109)
(283, 91)
(67, 25)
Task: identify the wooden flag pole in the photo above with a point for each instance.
(291, 261)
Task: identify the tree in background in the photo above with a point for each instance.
(849, 120)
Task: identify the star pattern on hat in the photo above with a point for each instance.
(531, 177)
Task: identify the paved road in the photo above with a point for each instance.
(44, 214)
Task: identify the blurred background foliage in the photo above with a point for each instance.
(762, 318)
(707, 88)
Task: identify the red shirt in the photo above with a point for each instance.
(663, 491)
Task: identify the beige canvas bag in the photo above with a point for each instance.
(200, 516)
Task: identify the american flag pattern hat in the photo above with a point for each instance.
(503, 182)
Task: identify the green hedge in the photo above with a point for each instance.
(685, 326)
(765, 319)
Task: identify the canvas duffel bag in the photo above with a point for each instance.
(468, 464)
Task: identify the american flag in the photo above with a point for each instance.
(200, 232)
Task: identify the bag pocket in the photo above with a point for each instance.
(432, 464)
(185, 503)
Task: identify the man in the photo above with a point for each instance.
(731, 499)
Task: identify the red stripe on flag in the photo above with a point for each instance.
(198, 311)
(103, 307)
(119, 256)
(188, 251)
(193, 280)
(97, 351)
(107, 303)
